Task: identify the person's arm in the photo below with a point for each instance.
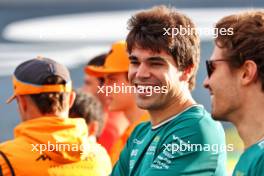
(257, 170)
(121, 168)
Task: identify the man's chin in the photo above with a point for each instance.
(143, 104)
(149, 102)
(148, 105)
(113, 108)
(217, 116)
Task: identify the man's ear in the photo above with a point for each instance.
(186, 74)
(72, 98)
(93, 128)
(22, 103)
(249, 72)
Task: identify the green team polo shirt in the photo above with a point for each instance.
(187, 144)
(251, 162)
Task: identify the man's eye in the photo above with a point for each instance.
(112, 79)
(156, 64)
(134, 62)
(88, 83)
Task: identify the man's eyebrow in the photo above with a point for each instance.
(156, 58)
(109, 76)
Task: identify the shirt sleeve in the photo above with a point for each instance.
(258, 169)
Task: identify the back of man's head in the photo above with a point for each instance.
(89, 108)
(46, 82)
(161, 29)
(49, 103)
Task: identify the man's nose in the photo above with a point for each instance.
(206, 83)
(143, 71)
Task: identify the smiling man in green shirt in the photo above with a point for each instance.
(236, 83)
(181, 137)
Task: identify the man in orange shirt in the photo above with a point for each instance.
(114, 122)
(47, 142)
(115, 71)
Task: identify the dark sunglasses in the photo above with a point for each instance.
(210, 67)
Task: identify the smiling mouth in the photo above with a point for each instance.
(145, 84)
(145, 87)
(145, 90)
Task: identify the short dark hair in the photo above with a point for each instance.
(147, 32)
(88, 107)
(50, 102)
(98, 60)
(247, 41)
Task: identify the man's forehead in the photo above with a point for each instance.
(218, 53)
(114, 75)
(145, 53)
(148, 55)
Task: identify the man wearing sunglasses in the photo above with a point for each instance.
(164, 146)
(236, 84)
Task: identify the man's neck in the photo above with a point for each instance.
(62, 115)
(251, 129)
(249, 121)
(171, 109)
(134, 113)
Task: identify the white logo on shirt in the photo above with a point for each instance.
(138, 142)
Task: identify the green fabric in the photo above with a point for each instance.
(148, 151)
(251, 162)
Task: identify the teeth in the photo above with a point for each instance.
(144, 87)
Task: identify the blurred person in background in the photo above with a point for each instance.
(91, 83)
(115, 71)
(236, 84)
(115, 122)
(165, 145)
(88, 107)
(47, 142)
